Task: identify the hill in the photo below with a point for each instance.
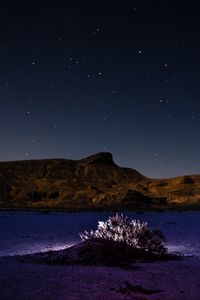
(92, 183)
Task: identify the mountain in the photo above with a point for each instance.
(92, 183)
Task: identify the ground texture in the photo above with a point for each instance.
(168, 280)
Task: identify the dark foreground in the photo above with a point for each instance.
(164, 280)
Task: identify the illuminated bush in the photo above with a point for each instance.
(122, 229)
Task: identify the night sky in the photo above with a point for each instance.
(80, 77)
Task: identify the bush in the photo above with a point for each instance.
(122, 229)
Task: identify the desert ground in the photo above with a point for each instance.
(170, 280)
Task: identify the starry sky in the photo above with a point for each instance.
(80, 77)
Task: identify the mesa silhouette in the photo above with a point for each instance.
(92, 183)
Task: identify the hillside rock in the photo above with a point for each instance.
(92, 183)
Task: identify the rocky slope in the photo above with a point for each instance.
(93, 183)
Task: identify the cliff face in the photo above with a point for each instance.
(93, 183)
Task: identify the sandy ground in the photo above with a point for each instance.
(158, 280)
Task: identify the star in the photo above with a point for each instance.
(163, 101)
(95, 32)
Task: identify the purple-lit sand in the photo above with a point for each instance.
(31, 232)
(174, 280)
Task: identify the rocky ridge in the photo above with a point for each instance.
(92, 183)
